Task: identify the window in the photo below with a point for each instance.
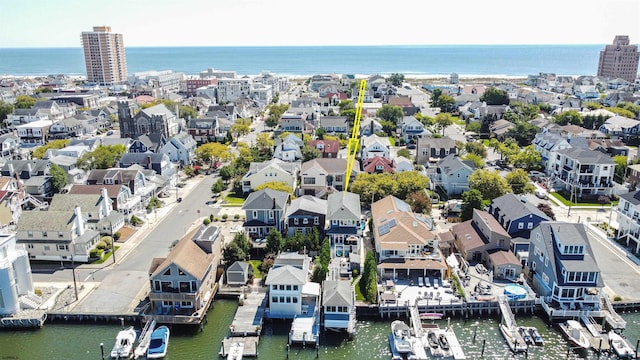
(282, 299)
(274, 299)
(60, 234)
(295, 221)
(288, 299)
(530, 225)
(316, 220)
(168, 272)
(305, 221)
(295, 287)
(520, 226)
(29, 246)
(288, 287)
(309, 181)
(255, 214)
(295, 300)
(63, 247)
(281, 287)
(30, 234)
(47, 248)
(44, 234)
(274, 287)
(270, 214)
(181, 273)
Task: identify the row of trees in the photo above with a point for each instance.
(372, 187)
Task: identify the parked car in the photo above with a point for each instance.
(541, 194)
(110, 132)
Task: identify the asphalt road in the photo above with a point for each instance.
(120, 284)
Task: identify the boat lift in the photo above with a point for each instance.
(145, 338)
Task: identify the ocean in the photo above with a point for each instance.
(435, 60)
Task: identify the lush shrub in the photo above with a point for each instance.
(617, 298)
(107, 240)
(236, 216)
(216, 219)
(206, 221)
(96, 253)
(116, 235)
(101, 245)
(225, 216)
(135, 221)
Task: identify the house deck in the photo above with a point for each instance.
(249, 316)
(250, 348)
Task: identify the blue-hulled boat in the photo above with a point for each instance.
(159, 343)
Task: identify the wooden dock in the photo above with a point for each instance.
(249, 316)
(250, 345)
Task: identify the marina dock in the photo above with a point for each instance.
(246, 327)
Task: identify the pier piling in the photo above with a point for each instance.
(483, 343)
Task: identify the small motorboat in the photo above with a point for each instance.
(535, 335)
(158, 343)
(621, 346)
(575, 333)
(443, 342)
(525, 335)
(401, 334)
(123, 348)
(433, 340)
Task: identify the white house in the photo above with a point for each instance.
(269, 171)
(34, 133)
(15, 274)
(180, 148)
(285, 291)
(374, 145)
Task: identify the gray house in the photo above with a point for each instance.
(562, 267)
(452, 174)
(516, 216)
(238, 273)
(265, 210)
(339, 306)
(306, 213)
(430, 150)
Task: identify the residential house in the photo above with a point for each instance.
(562, 267)
(452, 174)
(586, 92)
(67, 128)
(305, 214)
(411, 128)
(97, 210)
(25, 116)
(620, 126)
(9, 145)
(334, 124)
(500, 128)
(404, 101)
(122, 199)
(403, 164)
(405, 243)
(378, 164)
(610, 147)
(238, 273)
(265, 210)
(374, 145)
(548, 143)
(629, 219)
(344, 229)
(33, 133)
(180, 149)
(318, 176)
(134, 179)
(151, 143)
(288, 149)
(184, 283)
(16, 281)
(584, 173)
(203, 130)
(370, 126)
(34, 175)
(75, 175)
(633, 173)
(429, 150)
(56, 235)
(285, 291)
(483, 240)
(270, 171)
(11, 200)
(160, 163)
(54, 110)
(339, 305)
(294, 123)
(328, 148)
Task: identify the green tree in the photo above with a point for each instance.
(404, 153)
(218, 186)
(59, 178)
(232, 253)
(621, 168)
(635, 109)
(53, 144)
(24, 102)
(388, 127)
(622, 112)
(103, 157)
(390, 113)
(477, 148)
(294, 242)
(210, 153)
(312, 241)
(478, 163)
(240, 128)
(369, 281)
(528, 158)
(473, 127)
(494, 96)
(568, 117)
(471, 199)
(518, 180)
(320, 133)
(446, 103)
(241, 239)
(345, 105)
(444, 120)
(435, 95)
(275, 241)
(275, 185)
(523, 132)
(5, 109)
(490, 184)
(187, 112)
(507, 149)
(227, 172)
(396, 79)
(310, 153)
(275, 113)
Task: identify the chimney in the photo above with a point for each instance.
(106, 202)
(274, 203)
(79, 221)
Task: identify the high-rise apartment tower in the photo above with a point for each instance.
(104, 56)
(619, 60)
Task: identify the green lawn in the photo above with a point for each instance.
(359, 296)
(255, 264)
(104, 258)
(563, 200)
(392, 141)
(231, 200)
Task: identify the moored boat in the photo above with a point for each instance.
(443, 342)
(621, 346)
(236, 351)
(401, 334)
(535, 335)
(526, 336)
(514, 340)
(159, 343)
(432, 338)
(575, 333)
(123, 348)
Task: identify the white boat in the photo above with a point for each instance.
(575, 333)
(535, 335)
(158, 343)
(514, 340)
(123, 348)
(401, 334)
(236, 351)
(621, 346)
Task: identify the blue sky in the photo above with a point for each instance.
(58, 23)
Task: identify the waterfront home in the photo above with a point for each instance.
(452, 174)
(269, 171)
(238, 273)
(374, 145)
(477, 238)
(184, 283)
(180, 148)
(585, 173)
(629, 220)
(430, 150)
(122, 199)
(517, 216)
(306, 213)
(339, 306)
(56, 235)
(405, 243)
(290, 293)
(319, 176)
(16, 283)
(265, 210)
(378, 165)
(344, 229)
(328, 148)
(562, 268)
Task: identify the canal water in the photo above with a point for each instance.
(73, 341)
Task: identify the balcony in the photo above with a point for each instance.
(170, 296)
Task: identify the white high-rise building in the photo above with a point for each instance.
(104, 56)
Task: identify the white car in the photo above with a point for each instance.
(541, 194)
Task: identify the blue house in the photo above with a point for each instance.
(265, 210)
(561, 265)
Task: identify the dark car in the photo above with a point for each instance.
(179, 199)
(411, 146)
